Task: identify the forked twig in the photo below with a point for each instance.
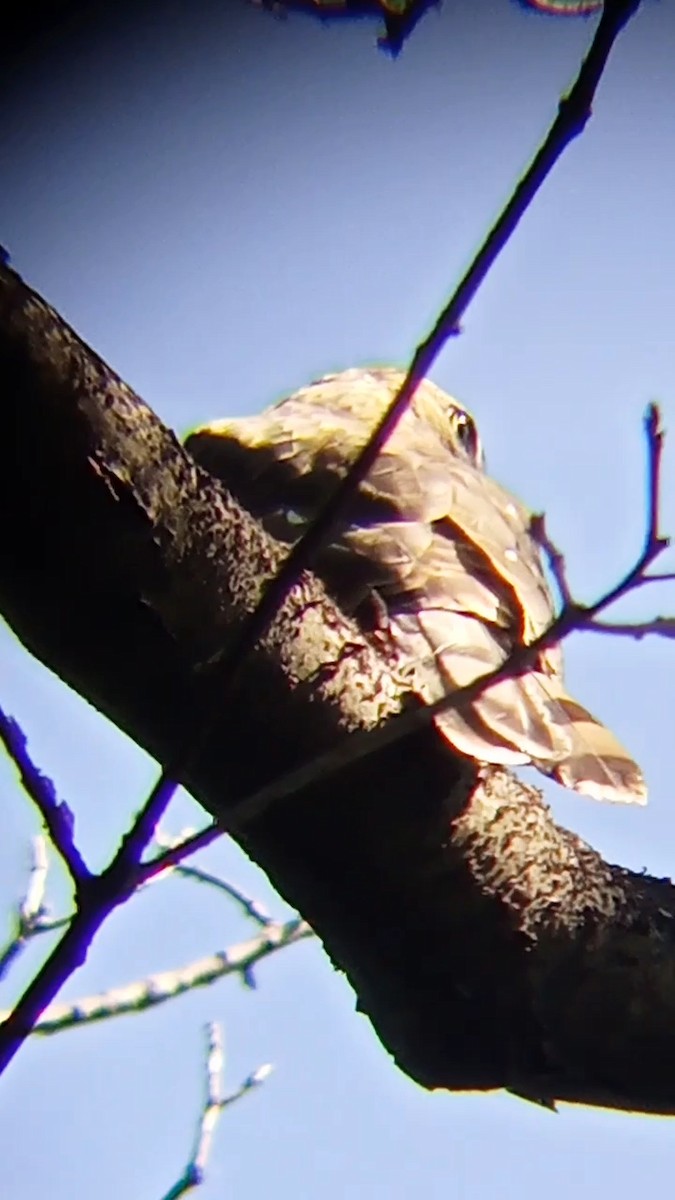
(215, 1101)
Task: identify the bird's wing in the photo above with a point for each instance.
(450, 554)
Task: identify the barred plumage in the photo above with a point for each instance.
(436, 545)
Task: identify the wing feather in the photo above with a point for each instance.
(447, 550)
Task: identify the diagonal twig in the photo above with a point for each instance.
(174, 855)
(660, 626)
(250, 907)
(30, 912)
(55, 813)
(163, 986)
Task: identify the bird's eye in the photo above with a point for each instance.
(467, 435)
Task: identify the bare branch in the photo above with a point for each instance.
(660, 626)
(56, 814)
(156, 989)
(30, 911)
(193, 1174)
(250, 907)
(178, 852)
(32, 908)
(554, 556)
(659, 577)
(655, 441)
(214, 1104)
(96, 896)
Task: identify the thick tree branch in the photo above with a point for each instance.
(488, 947)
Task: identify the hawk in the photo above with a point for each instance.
(433, 557)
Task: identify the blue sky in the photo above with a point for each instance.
(225, 205)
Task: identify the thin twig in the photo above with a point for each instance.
(554, 556)
(175, 854)
(661, 626)
(208, 1118)
(214, 1104)
(21, 938)
(31, 909)
(252, 908)
(102, 894)
(55, 813)
(655, 442)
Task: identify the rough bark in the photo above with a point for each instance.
(488, 947)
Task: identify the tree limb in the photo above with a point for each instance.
(488, 947)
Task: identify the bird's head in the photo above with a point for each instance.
(368, 391)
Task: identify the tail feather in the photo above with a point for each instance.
(597, 763)
(528, 718)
